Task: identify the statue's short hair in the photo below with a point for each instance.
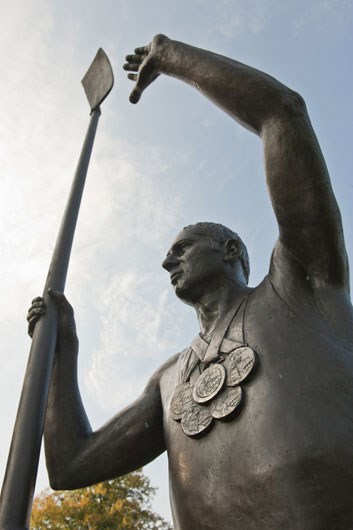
(219, 233)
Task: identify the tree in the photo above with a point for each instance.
(120, 504)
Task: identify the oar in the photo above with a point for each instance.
(22, 465)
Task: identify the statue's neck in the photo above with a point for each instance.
(214, 306)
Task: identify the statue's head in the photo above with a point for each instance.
(204, 256)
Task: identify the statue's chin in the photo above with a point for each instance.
(180, 292)
(185, 293)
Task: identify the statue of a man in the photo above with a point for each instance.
(257, 414)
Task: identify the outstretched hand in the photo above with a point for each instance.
(145, 63)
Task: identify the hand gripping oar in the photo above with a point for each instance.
(21, 471)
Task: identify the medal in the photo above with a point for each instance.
(215, 394)
(181, 401)
(226, 403)
(239, 364)
(209, 383)
(196, 420)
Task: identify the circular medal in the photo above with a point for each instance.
(181, 401)
(226, 402)
(196, 420)
(239, 364)
(209, 383)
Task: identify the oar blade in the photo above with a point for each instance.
(98, 80)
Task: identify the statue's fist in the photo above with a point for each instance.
(36, 310)
(66, 320)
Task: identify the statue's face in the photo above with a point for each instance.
(194, 261)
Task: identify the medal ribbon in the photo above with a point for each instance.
(208, 352)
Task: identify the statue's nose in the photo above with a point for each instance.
(169, 262)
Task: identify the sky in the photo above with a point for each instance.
(172, 160)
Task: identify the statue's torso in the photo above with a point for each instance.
(286, 461)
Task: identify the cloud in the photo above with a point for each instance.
(126, 189)
(123, 219)
(246, 18)
(235, 18)
(115, 273)
(325, 17)
(137, 326)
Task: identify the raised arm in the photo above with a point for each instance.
(306, 210)
(76, 456)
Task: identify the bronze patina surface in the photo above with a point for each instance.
(284, 458)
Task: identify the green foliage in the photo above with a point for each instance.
(120, 504)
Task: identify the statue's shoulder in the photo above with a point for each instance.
(168, 365)
(172, 361)
(321, 304)
(289, 278)
(170, 371)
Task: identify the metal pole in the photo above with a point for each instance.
(21, 471)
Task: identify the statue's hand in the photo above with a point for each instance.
(66, 320)
(36, 310)
(146, 62)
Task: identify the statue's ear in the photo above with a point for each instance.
(231, 250)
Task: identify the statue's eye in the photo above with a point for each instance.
(185, 244)
(179, 248)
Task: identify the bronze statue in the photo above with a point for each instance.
(257, 414)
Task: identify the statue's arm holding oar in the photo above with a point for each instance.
(77, 456)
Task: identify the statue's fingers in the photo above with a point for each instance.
(134, 58)
(38, 303)
(34, 313)
(132, 67)
(33, 317)
(37, 299)
(55, 293)
(60, 300)
(30, 329)
(32, 324)
(142, 50)
(135, 95)
(132, 77)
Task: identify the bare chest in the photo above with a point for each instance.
(288, 449)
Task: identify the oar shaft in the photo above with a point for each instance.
(60, 260)
(22, 465)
